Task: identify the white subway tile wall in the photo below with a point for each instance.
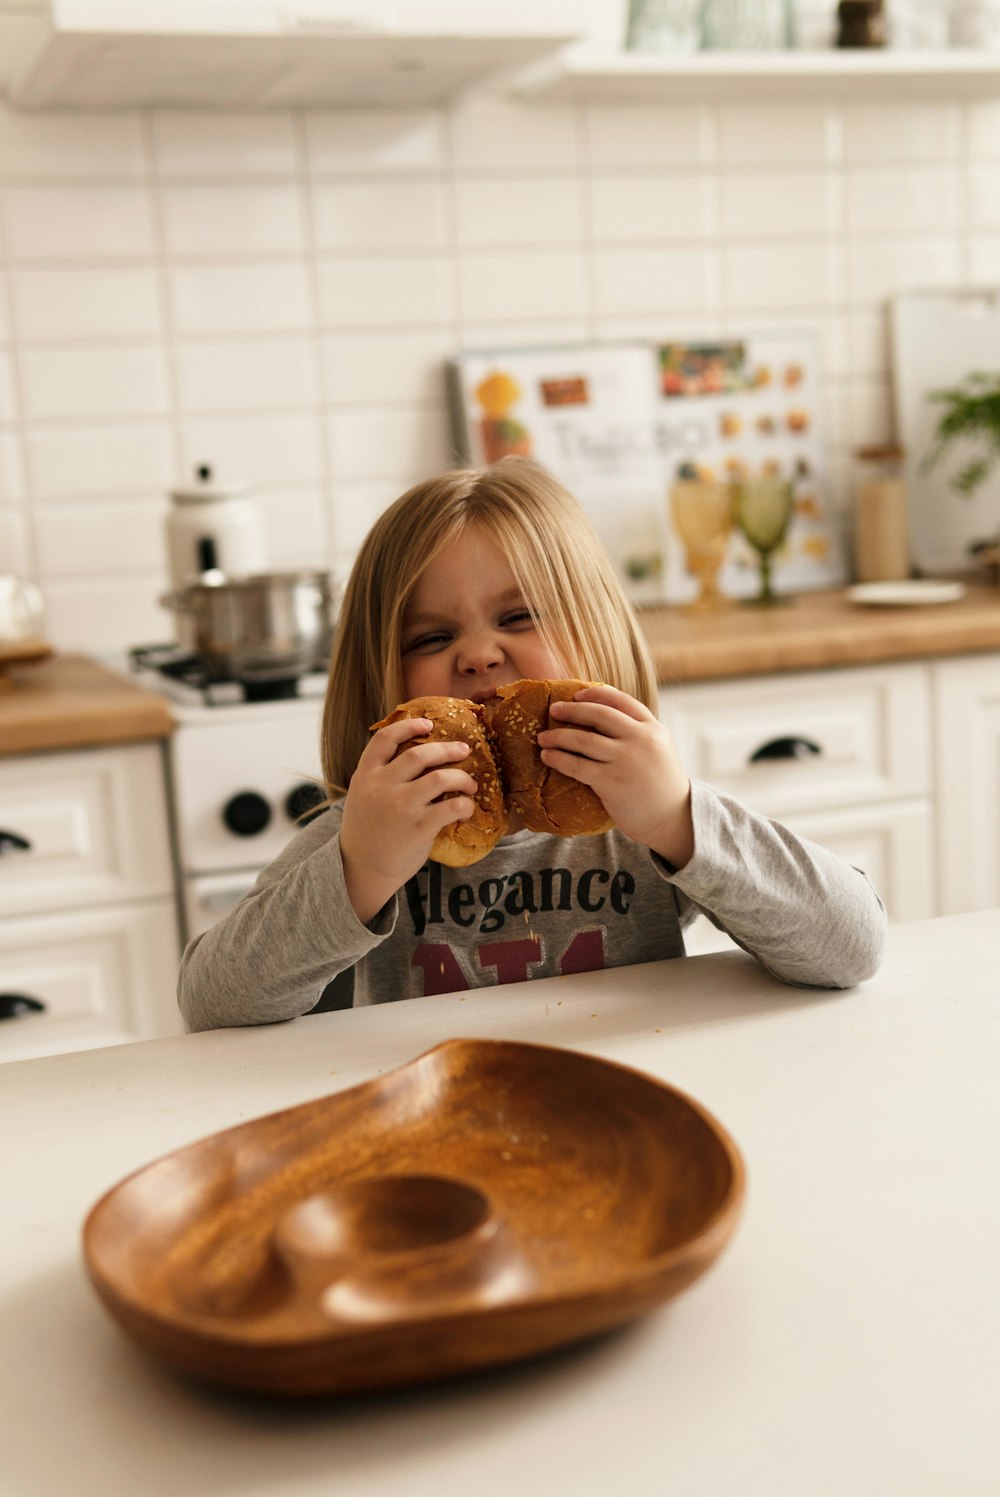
(275, 293)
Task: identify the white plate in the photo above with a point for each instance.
(903, 594)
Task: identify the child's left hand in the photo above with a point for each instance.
(614, 744)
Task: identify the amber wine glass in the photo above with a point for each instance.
(763, 510)
(702, 512)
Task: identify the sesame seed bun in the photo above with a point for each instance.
(505, 761)
(544, 799)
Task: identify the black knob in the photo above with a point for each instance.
(15, 1005)
(303, 799)
(247, 813)
(786, 748)
(12, 842)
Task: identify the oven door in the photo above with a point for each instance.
(208, 898)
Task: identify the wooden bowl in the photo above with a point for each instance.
(486, 1201)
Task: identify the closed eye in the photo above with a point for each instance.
(519, 619)
(427, 643)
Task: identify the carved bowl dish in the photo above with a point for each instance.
(484, 1202)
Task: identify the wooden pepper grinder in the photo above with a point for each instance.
(881, 533)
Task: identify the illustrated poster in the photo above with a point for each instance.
(619, 423)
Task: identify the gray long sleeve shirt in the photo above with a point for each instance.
(537, 906)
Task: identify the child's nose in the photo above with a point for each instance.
(479, 654)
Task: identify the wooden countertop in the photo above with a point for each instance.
(72, 702)
(814, 630)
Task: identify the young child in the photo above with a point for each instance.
(472, 580)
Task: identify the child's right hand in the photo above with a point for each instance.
(393, 810)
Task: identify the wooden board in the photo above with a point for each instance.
(939, 338)
(69, 701)
(484, 1202)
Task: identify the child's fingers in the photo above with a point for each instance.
(383, 746)
(574, 766)
(438, 782)
(589, 717)
(410, 734)
(608, 696)
(423, 758)
(442, 813)
(594, 717)
(578, 741)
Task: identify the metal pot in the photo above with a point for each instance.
(265, 628)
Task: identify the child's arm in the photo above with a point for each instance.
(393, 810)
(271, 957)
(327, 899)
(805, 913)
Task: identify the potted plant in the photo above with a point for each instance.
(971, 410)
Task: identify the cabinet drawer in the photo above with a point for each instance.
(94, 825)
(862, 736)
(104, 975)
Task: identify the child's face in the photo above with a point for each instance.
(467, 630)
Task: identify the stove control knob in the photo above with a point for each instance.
(302, 799)
(247, 813)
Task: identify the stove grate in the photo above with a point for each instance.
(216, 691)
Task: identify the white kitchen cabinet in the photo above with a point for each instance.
(269, 54)
(838, 737)
(105, 975)
(842, 757)
(88, 910)
(967, 716)
(95, 824)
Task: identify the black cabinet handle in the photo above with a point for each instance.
(12, 842)
(16, 1005)
(785, 748)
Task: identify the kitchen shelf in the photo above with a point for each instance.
(261, 54)
(581, 76)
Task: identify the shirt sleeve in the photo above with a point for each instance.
(806, 914)
(272, 956)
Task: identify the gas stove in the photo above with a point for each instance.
(182, 676)
(244, 767)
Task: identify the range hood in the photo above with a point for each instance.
(259, 54)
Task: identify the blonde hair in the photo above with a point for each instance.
(558, 562)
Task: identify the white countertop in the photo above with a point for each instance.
(846, 1344)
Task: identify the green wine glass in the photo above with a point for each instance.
(763, 510)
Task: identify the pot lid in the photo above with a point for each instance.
(206, 489)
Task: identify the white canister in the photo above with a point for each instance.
(20, 609)
(213, 527)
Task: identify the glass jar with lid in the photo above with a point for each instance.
(664, 25)
(881, 531)
(747, 25)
